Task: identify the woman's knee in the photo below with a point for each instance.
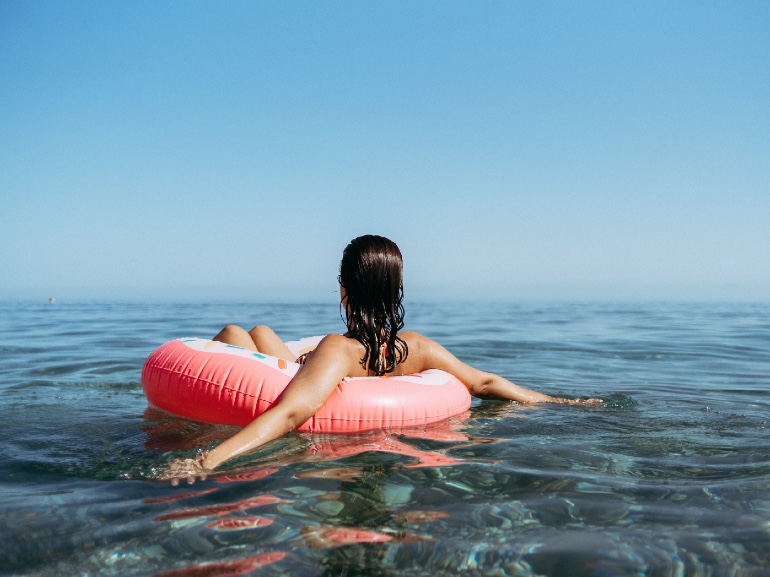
(233, 329)
(262, 333)
(269, 343)
(230, 333)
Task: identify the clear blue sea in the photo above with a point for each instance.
(671, 477)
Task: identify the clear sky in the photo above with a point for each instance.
(512, 149)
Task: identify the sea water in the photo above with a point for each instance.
(670, 477)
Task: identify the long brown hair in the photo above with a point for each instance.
(371, 272)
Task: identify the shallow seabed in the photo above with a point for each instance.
(670, 477)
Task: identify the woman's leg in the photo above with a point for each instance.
(235, 335)
(261, 339)
(270, 343)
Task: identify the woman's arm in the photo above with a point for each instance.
(305, 395)
(479, 383)
(307, 392)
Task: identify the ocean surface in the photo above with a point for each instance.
(670, 477)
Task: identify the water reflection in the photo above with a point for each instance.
(225, 568)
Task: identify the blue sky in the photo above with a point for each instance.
(513, 150)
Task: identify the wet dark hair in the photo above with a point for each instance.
(371, 272)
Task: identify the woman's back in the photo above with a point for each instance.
(417, 360)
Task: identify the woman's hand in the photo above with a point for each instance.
(187, 469)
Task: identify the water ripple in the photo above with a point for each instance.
(670, 477)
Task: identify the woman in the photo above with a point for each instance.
(371, 292)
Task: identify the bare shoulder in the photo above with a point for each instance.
(338, 343)
(335, 353)
(419, 341)
(418, 344)
(425, 353)
(339, 348)
(411, 337)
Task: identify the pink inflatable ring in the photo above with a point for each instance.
(219, 383)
